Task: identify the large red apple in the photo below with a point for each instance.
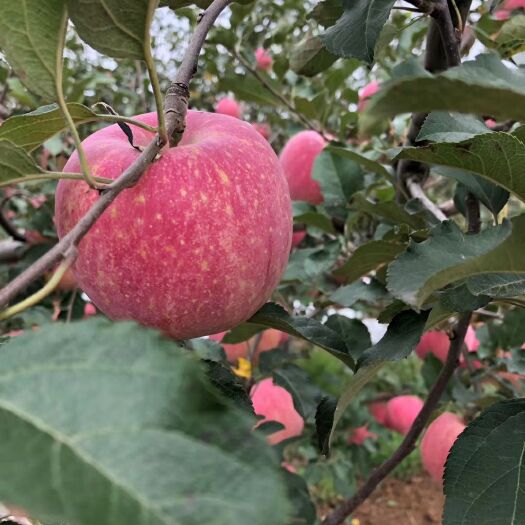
(198, 245)
(437, 442)
(401, 411)
(228, 106)
(433, 342)
(297, 159)
(276, 404)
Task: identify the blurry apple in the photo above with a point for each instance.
(378, 411)
(228, 106)
(360, 435)
(263, 129)
(199, 244)
(365, 93)
(433, 342)
(297, 159)
(297, 238)
(437, 442)
(276, 404)
(263, 59)
(401, 411)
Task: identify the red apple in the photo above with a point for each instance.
(436, 343)
(365, 93)
(490, 123)
(276, 404)
(263, 59)
(297, 238)
(266, 340)
(514, 4)
(360, 435)
(264, 129)
(437, 442)
(378, 411)
(401, 411)
(89, 310)
(228, 106)
(199, 244)
(297, 159)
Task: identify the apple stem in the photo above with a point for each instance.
(175, 122)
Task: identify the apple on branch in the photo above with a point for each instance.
(199, 244)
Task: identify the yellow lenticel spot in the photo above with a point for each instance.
(183, 193)
(158, 216)
(140, 199)
(204, 198)
(224, 178)
(139, 221)
(229, 210)
(114, 212)
(204, 266)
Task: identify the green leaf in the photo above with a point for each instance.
(497, 284)
(509, 39)
(314, 218)
(401, 338)
(327, 12)
(497, 157)
(359, 291)
(389, 210)
(306, 395)
(351, 389)
(338, 177)
(33, 129)
(368, 257)
(272, 315)
(310, 57)
(248, 89)
(511, 332)
(355, 34)
(485, 470)
(484, 86)
(494, 197)
(461, 299)
(366, 163)
(299, 497)
(354, 333)
(440, 126)
(15, 162)
(116, 28)
(129, 414)
(448, 256)
(324, 421)
(32, 39)
(241, 333)
(311, 263)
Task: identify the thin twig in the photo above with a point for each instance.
(417, 192)
(175, 108)
(287, 103)
(347, 507)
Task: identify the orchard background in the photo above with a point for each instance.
(354, 369)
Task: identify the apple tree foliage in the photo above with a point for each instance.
(105, 422)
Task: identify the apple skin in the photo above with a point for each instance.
(297, 159)
(378, 411)
(433, 342)
(228, 106)
(263, 129)
(268, 340)
(276, 404)
(365, 93)
(438, 343)
(199, 244)
(401, 411)
(297, 238)
(263, 59)
(437, 442)
(360, 435)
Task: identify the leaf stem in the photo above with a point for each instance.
(65, 111)
(42, 293)
(127, 120)
(52, 175)
(152, 72)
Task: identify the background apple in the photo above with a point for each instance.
(276, 404)
(263, 128)
(228, 106)
(297, 159)
(263, 59)
(401, 411)
(437, 442)
(360, 434)
(266, 340)
(378, 411)
(365, 93)
(199, 244)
